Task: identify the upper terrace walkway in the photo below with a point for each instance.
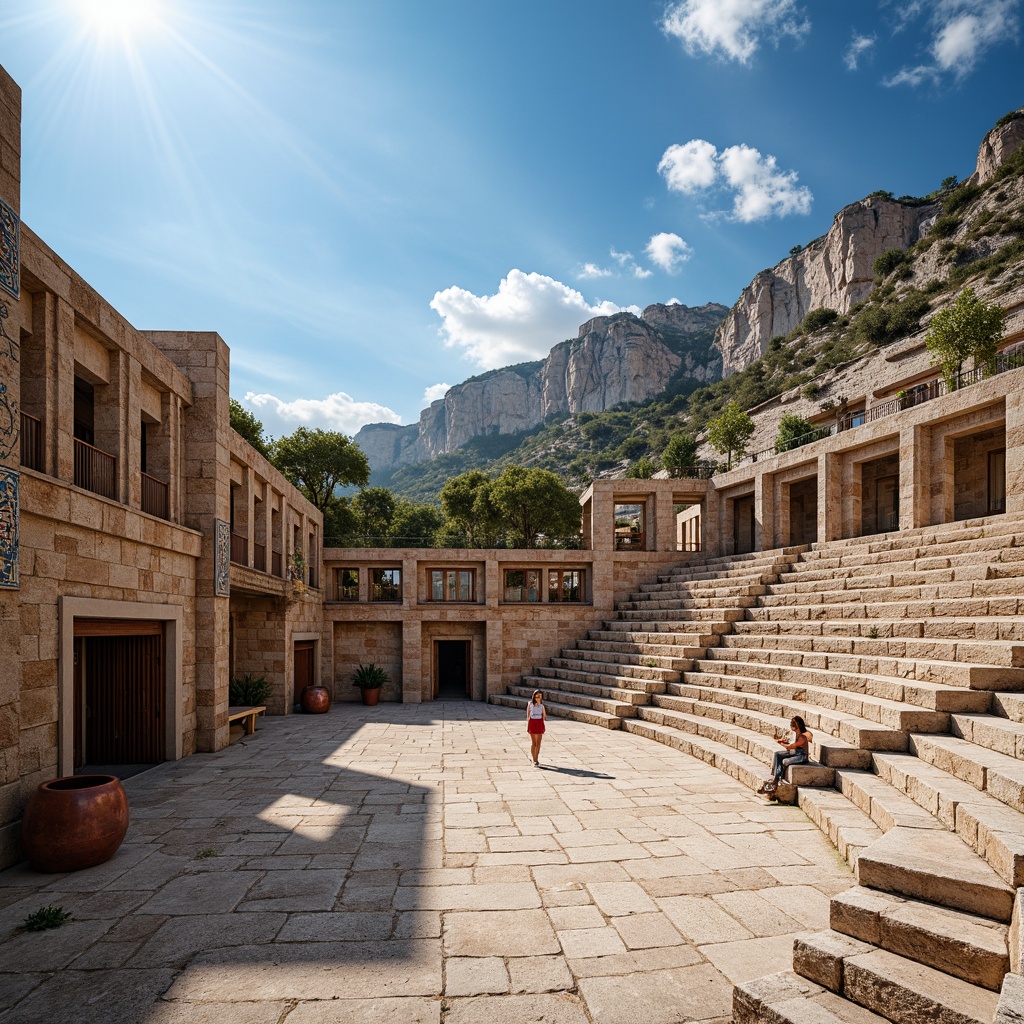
(407, 863)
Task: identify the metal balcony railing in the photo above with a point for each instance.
(156, 496)
(31, 442)
(95, 470)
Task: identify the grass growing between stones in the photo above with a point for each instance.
(46, 918)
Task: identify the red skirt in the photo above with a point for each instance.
(535, 726)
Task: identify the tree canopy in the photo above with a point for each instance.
(318, 462)
(730, 431)
(680, 454)
(466, 503)
(533, 502)
(969, 328)
(791, 429)
(245, 424)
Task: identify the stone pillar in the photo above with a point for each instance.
(1015, 451)
(764, 512)
(495, 638)
(63, 414)
(711, 515)
(664, 520)
(413, 683)
(132, 432)
(603, 519)
(10, 463)
(203, 358)
(830, 497)
(915, 477)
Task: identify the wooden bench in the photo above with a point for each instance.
(245, 715)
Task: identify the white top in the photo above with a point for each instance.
(536, 710)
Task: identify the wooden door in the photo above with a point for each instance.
(305, 675)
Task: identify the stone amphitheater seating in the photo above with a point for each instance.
(905, 655)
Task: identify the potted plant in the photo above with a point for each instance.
(369, 679)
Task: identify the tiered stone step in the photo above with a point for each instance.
(967, 946)
(559, 709)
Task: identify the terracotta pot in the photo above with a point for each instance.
(75, 822)
(315, 700)
(371, 697)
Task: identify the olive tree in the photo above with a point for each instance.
(969, 328)
(730, 431)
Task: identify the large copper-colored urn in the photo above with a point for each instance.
(75, 822)
(315, 700)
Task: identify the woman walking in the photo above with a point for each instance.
(536, 715)
(791, 753)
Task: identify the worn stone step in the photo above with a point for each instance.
(676, 604)
(557, 710)
(634, 639)
(902, 990)
(848, 828)
(955, 675)
(680, 619)
(894, 715)
(611, 693)
(640, 651)
(990, 629)
(606, 705)
(967, 946)
(887, 806)
(990, 828)
(999, 775)
(1011, 1002)
(787, 998)
(770, 718)
(992, 731)
(594, 675)
(675, 658)
(935, 865)
(748, 770)
(742, 738)
(999, 654)
(592, 661)
(1008, 705)
(840, 595)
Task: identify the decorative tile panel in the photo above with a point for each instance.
(10, 255)
(10, 420)
(222, 558)
(8, 528)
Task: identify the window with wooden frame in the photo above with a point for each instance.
(347, 584)
(522, 585)
(565, 585)
(385, 584)
(452, 584)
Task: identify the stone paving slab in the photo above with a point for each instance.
(408, 865)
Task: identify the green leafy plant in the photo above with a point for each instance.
(730, 431)
(873, 633)
(370, 677)
(249, 691)
(969, 328)
(205, 854)
(45, 918)
(791, 429)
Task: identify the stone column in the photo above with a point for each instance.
(664, 521)
(1015, 451)
(62, 416)
(830, 497)
(10, 463)
(203, 357)
(764, 512)
(711, 514)
(495, 633)
(915, 477)
(413, 683)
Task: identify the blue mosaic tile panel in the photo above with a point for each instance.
(8, 528)
(10, 252)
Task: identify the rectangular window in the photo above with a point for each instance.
(630, 533)
(385, 584)
(348, 584)
(565, 585)
(522, 584)
(997, 480)
(452, 584)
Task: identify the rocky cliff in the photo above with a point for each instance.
(834, 271)
(614, 359)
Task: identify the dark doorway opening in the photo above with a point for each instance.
(451, 678)
(304, 668)
(743, 525)
(119, 713)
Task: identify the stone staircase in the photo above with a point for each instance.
(658, 635)
(905, 655)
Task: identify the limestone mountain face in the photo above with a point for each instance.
(619, 358)
(997, 147)
(834, 271)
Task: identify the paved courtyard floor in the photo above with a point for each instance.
(408, 865)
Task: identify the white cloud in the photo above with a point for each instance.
(527, 315)
(859, 45)
(591, 270)
(733, 29)
(689, 168)
(668, 251)
(961, 31)
(434, 392)
(761, 189)
(335, 412)
(641, 273)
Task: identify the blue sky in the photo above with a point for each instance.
(371, 199)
